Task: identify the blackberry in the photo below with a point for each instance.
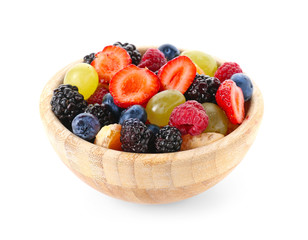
(103, 112)
(132, 51)
(168, 139)
(154, 130)
(89, 58)
(135, 136)
(66, 103)
(203, 89)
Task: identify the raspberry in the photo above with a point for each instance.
(168, 139)
(97, 96)
(226, 70)
(203, 89)
(153, 59)
(135, 136)
(189, 118)
(103, 112)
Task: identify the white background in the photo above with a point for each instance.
(265, 197)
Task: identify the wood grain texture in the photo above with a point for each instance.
(149, 178)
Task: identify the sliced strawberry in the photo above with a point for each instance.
(178, 74)
(133, 85)
(109, 61)
(231, 99)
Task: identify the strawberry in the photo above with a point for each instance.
(230, 98)
(178, 74)
(97, 96)
(109, 61)
(133, 85)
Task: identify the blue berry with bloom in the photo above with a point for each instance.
(86, 126)
(244, 82)
(169, 51)
(135, 111)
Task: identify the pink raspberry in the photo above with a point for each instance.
(97, 96)
(153, 59)
(189, 117)
(226, 70)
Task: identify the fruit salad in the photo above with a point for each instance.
(162, 101)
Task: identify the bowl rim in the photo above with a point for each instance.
(252, 116)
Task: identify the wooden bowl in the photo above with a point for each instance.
(149, 178)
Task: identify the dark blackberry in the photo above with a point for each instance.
(154, 130)
(135, 136)
(168, 139)
(132, 51)
(203, 89)
(89, 58)
(103, 112)
(151, 145)
(66, 103)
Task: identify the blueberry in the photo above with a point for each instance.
(135, 111)
(244, 82)
(169, 51)
(108, 100)
(154, 128)
(86, 126)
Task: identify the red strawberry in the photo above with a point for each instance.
(178, 74)
(97, 96)
(133, 85)
(231, 99)
(153, 59)
(109, 61)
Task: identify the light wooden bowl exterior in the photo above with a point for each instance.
(149, 178)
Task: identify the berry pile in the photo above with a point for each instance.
(162, 101)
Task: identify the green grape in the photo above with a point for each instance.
(218, 121)
(160, 106)
(206, 62)
(84, 77)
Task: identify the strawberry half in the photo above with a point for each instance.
(178, 74)
(230, 98)
(109, 61)
(133, 85)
